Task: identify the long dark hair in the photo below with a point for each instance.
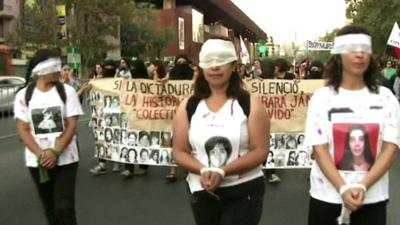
(334, 73)
(348, 159)
(235, 88)
(30, 83)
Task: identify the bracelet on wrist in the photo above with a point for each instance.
(346, 187)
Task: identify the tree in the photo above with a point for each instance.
(140, 35)
(377, 16)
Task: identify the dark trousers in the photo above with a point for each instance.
(326, 213)
(58, 194)
(237, 205)
(131, 167)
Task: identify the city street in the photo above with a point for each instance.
(148, 200)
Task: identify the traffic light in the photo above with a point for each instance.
(262, 49)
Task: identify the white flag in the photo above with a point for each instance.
(244, 54)
(394, 38)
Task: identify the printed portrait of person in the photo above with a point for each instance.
(115, 152)
(300, 139)
(155, 138)
(115, 102)
(270, 161)
(94, 111)
(100, 135)
(132, 138)
(108, 152)
(98, 96)
(95, 136)
(108, 135)
(47, 120)
(218, 150)
(124, 154)
(117, 136)
(271, 141)
(302, 158)
(291, 160)
(166, 139)
(92, 96)
(144, 155)
(100, 123)
(94, 123)
(124, 120)
(280, 141)
(115, 120)
(107, 101)
(101, 151)
(154, 156)
(99, 110)
(132, 155)
(357, 154)
(144, 139)
(108, 120)
(165, 157)
(124, 136)
(291, 142)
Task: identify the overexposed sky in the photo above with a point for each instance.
(295, 20)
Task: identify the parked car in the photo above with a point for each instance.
(9, 86)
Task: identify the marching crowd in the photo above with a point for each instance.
(353, 127)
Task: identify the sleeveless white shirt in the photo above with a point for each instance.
(226, 129)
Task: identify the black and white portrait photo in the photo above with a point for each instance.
(154, 156)
(108, 135)
(132, 155)
(132, 138)
(117, 136)
(300, 139)
(124, 120)
(303, 158)
(107, 118)
(124, 136)
(218, 150)
(144, 155)
(155, 138)
(47, 120)
(290, 141)
(115, 152)
(115, 120)
(144, 139)
(115, 102)
(124, 154)
(107, 101)
(166, 139)
(291, 159)
(165, 156)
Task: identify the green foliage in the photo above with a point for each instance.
(140, 35)
(377, 16)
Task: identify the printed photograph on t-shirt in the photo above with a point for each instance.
(355, 145)
(47, 120)
(218, 150)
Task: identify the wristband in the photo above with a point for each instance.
(346, 187)
(213, 169)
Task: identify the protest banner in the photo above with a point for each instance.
(319, 46)
(132, 118)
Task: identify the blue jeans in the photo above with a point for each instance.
(58, 194)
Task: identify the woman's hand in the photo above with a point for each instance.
(353, 198)
(210, 181)
(48, 160)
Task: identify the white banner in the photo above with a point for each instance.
(244, 53)
(319, 46)
(394, 38)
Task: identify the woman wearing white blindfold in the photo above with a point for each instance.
(351, 98)
(220, 138)
(46, 113)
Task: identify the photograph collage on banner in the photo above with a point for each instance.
(115, 142)
(287, 151)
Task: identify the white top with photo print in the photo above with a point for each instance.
(227, 127)
(329, 111)
(46, 114)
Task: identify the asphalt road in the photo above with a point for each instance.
(148, 200)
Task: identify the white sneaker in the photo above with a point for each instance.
(274, 179)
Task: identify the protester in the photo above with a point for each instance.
(396, 83)
(351, 97)
(257, 69)
(389, 71)
(124, 70)
(232, 193)
(157, 72)
(98, 71)
(316, 70)
(281, 70)
(50, 154)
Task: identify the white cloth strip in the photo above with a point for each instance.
(47, 66)
(213, 169)
(346, 187)
(217, 52)
(352, 43)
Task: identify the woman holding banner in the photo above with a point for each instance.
(53, 164)
(351, 96)
(218, 193)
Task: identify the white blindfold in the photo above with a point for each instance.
(216, 52)
(352, 43)
(51, 65)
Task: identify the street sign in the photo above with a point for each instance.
(74, 57)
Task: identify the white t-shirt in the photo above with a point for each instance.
(354, 124)
(224, 135)
(46, 114)
(124, 74)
